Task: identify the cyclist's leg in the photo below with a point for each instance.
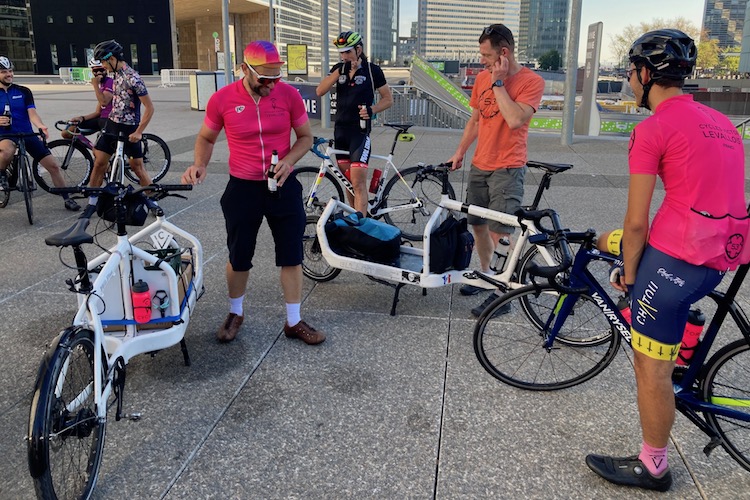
(7, 149)
(41, 153)
(359, 146)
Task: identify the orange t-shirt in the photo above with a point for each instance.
(497, 145)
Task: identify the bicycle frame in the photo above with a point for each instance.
(686, 394)
(117, 170)
(130, 342)
(416, 260)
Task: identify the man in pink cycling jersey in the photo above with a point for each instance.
(257, 114)
(699, 232)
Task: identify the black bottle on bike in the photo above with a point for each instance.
(273, 187)
(6, 112)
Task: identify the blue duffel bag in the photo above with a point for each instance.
(364, 238)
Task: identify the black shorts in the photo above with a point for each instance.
(35, 148)
(245, 203)
(107, 142)
(95, 124)
(356, 141)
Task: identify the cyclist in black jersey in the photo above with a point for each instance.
(355, 80)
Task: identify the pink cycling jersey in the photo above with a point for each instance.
(253, 129)
(699, 156)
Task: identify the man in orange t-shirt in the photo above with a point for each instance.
(504, 98)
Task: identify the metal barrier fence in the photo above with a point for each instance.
(75, 75)
(413, 105)
(172, 77)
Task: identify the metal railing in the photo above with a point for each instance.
(742, 126)
(172, 77)
(413, 105)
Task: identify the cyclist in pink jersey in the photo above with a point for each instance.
(258, 114)
(698, 233)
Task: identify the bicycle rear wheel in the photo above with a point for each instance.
(510, 346)
(328, 188)
(314, 265)
(75, 162)
(156, 158)
(66, 438)
(26, 185)
(727, 383)
(427, 186)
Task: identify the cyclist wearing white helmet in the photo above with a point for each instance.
(355, 80)
(103, 88)
(23, 118)
(698, 233)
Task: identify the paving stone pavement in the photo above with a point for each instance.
(388, 407)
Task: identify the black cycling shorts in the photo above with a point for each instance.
(245, 203)
(35, 147)
(356, 141)
(107, 142)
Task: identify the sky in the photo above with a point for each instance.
(614, 15)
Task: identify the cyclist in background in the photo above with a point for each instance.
(103, 88)
(355, 80)
(129, 93)
(23, 116)
(698, 234)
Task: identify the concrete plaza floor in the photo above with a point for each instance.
(387, 407)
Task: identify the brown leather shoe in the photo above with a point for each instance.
(304, 332)
(228, 330)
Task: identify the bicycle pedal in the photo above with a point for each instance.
(134, 417)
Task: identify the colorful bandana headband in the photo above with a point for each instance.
(262, 53)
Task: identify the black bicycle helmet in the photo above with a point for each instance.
(107, 49)
(347, 40)
(5, 63)
(668, 53)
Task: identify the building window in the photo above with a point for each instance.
(154, 59)
(111, 19)
(53, 54)
(134, 56)
(151, 19)
(50, 20)
(73, 56)
(131, 19)
(90, 19)
(70, 19)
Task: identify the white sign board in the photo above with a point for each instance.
(587, 120)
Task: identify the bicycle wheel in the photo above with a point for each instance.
(727, 383)
(425, 185)
(156, 158)
(75, 162)
(328, 188)
(65, 436)
(26, 185)
(314, 265)
(511, 346)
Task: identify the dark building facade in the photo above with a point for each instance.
(543, 27)
(15, 35)
(723, 20)
(65, 33)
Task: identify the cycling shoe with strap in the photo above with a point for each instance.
(628, 471)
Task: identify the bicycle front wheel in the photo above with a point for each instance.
(26, 185)
(727, 383)
(156, 158)
(510, 345)
(66, 438)
(314, 265)
(427, 187)
(75, 163)
(327, 189)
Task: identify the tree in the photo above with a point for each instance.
(620, 43)
(551, 60)
(730, 61)
(708, 53)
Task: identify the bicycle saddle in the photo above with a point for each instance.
(400, 126)
(73, 236)
(550, 167)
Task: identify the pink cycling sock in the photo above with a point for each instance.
(655, 459)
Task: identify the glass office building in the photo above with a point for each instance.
(383, 32)
(15, 35)
(723, 20)
(543, 27)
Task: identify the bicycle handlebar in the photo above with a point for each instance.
(115, 188)
(23, 135)
(315, 148)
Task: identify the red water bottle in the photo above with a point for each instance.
(691, 336)
(141, 302)
(376, 172)
(624, 306)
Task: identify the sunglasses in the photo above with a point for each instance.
(629, 72)
(495, 30)
(264, 79)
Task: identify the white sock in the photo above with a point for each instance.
(93, 200)
(235, 305)
(292, 314)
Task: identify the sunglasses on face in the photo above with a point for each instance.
(629, 72)
(494, 30)
(264, 79)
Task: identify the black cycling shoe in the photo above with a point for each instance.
(467, 289)
(4, 186)
(628, 471)
(72, 205)
(477, 311)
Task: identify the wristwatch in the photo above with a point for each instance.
(498, 83)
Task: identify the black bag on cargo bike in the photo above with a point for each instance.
(451, 245)
(364, 238)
